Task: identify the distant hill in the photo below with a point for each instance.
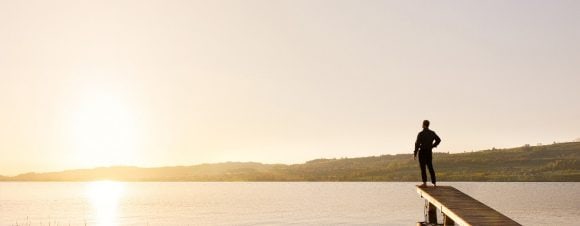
(555, 162)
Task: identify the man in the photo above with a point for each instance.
(426, 141)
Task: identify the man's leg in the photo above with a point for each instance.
(429, 164)
(422, 164)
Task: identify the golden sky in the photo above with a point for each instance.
(154, 83)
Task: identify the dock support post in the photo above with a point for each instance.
(430, 213)
(447, 221)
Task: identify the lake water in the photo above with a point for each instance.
(276, 203)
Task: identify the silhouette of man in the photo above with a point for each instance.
(426, 141)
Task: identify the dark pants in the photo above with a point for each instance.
(426, 160)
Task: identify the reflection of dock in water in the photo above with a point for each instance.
(458, 208)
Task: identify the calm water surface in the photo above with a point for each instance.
(238, 203)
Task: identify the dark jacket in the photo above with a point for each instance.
(425, 140)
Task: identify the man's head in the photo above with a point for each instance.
(425, 124)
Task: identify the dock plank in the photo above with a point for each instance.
(462, 208)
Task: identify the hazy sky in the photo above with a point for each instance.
(153, 83)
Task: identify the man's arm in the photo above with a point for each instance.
(437, 140)
(417, 144)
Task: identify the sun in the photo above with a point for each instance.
(103, 131)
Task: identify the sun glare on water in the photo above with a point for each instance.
(104, 197)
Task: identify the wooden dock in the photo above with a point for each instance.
(459, 208)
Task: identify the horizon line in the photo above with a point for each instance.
(266, 163)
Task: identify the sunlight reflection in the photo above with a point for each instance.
(104, 197)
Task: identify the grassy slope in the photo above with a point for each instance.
(557, 162)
